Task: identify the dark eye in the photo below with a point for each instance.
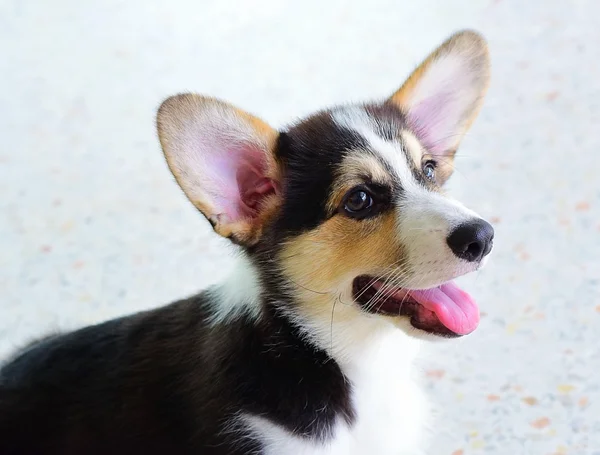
(358, 203)
(429, 170)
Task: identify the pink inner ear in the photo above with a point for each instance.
(254, 188)
(434, 122)
(239, 184)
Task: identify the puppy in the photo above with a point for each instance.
(347, 251)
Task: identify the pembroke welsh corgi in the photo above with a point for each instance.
(348, 248)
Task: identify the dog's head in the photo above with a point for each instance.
(349, 201)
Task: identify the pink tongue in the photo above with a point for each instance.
(453, 307)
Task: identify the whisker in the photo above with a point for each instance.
(308, 289)
(393, 277)
(331, 324)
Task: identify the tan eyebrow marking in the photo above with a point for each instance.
(353, 170)
(413, 147)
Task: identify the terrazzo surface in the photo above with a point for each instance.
(92, 225)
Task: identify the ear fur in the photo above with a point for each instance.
(443, 96)
(223, 158)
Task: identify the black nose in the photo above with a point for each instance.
(472, 241)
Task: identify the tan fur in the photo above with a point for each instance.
(415, 150)
(340, 249)
(321, 264)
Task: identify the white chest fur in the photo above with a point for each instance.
(390, 409)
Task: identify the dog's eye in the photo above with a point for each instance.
(358, 203)
(429, 169)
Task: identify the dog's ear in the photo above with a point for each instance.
(442, 97)
(223, 159)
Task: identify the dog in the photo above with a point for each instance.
(348, 248)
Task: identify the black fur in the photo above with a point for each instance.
(390, 120)
(310, 154)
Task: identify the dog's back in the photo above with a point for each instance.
(124, 386)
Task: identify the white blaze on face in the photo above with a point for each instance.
(425, 218)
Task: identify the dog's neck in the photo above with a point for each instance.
(328, 320)
(350, 373)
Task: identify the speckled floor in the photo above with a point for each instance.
(92, 225)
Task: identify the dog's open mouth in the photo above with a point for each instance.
(445, 310)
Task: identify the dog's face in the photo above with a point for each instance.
(349, 201)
